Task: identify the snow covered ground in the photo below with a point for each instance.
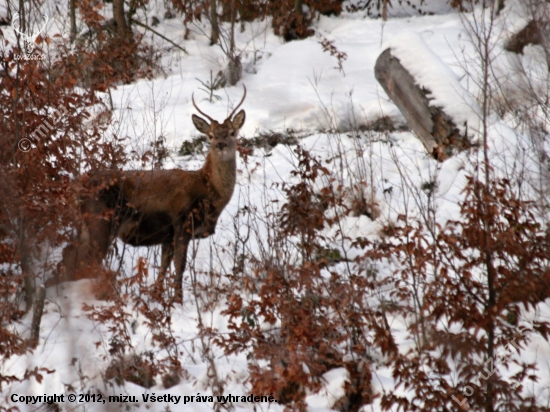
(291, 86)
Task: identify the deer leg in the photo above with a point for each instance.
(87, 250)
(181, 241)
(70, 254)
(93, 246)
(90, 248)
(166, 259)
(76, 256)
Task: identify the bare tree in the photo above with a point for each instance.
(215, 35)
(72, 17)
(118, 14)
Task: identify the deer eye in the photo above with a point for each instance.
(232, 133)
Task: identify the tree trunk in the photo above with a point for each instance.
(22, 17)
(385, 10)
(234, 69)
(298, 6)
(72, 17)
(232, 35)
(132, 10)
(37, 316)
(118, 14)
(26, 264)
(215, 35)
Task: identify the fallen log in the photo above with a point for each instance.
(434, 128)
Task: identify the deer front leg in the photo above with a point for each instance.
(166, 259)
(181, 241)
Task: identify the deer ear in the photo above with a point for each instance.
(238, 120)
(201, 124)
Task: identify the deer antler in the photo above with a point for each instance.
(26, 36)
(199, 110)
(239, 105)
(15, 24)
(45, 18)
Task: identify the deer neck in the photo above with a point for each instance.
(221, 174)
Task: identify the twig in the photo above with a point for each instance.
(160, 35)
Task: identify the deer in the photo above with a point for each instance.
(157, 207)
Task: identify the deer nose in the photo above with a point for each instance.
(221, 145)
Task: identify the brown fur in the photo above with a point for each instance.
(166, 207)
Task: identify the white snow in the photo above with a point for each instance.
(291, 86)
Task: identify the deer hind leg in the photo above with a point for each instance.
(73, 255)
(83, 256)
(70, 253)
(98, 242)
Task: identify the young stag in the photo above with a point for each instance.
(166, 207)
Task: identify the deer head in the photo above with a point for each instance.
(223, 136)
